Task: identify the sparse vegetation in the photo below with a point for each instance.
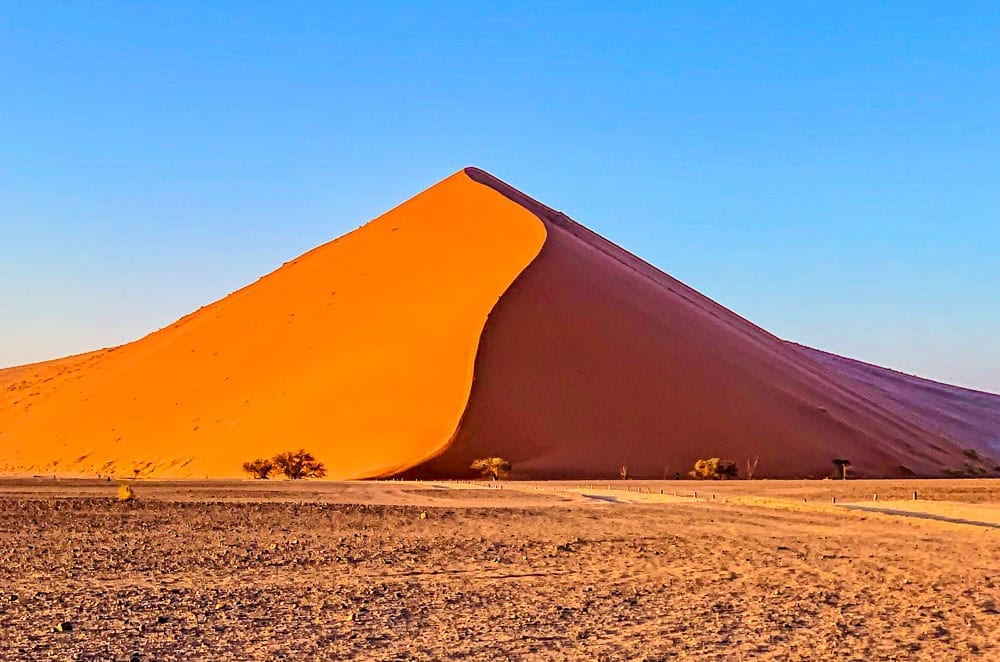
(977, 467)
(299, 464)
(714, 469)
(752, 466)
(623, 472)
(491, 467)
(260, 468)
(126, 493)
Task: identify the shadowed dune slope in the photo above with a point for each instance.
(594, 359)
(965, 415)
(361, 351)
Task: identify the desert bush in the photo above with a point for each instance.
(299, 464)
(491, 467)
(260, 468)
(714, 469)
(125, 492)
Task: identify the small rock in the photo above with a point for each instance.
(423, 515)
(160, 620)
(65, 626)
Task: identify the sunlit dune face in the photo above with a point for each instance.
(361, 351)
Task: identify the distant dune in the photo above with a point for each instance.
(473, 320)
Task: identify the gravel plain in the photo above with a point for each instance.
(251, 570)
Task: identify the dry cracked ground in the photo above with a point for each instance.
(432, 571)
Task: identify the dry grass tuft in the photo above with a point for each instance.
(126, 493)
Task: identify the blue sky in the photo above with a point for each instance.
(830, 171)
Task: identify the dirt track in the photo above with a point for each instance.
(247, 570)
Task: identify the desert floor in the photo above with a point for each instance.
(409, 570)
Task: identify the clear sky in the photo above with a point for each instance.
(830, 171)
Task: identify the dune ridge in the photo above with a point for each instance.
(474, 320)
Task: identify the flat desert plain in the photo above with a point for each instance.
(553, 570)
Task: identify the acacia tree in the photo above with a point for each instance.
(299, 464)
(491, 467)
(260, 468)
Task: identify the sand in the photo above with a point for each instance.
(594, 359)
(471, 321)
(361, 350)
(323, 570)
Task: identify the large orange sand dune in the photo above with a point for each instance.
(361, 350)
(375, 352)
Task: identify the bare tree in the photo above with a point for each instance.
(842, 465)
(752, 466)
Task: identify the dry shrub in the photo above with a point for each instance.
(714, 469)
(491, 467)
(125, 492)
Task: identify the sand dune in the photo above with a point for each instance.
(594, 359)
(972, 417)
(361, 350)
(375, 352)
